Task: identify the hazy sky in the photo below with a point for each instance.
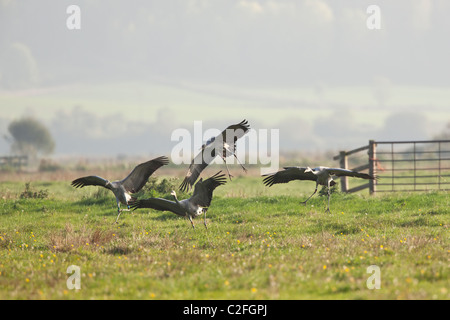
(311, 68)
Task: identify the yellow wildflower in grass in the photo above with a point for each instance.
(254, 290)
(324, 267)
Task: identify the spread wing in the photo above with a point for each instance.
(203, 191)
(157, 204)
(288, 174)
(230, 135)
(195, 168)
(89, 181)
(349, 173)
(140, 174)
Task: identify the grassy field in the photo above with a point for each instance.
(261, 243)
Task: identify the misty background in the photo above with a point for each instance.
(138, 70)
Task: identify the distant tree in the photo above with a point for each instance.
(30, 137)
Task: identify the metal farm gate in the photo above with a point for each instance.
(399, 165)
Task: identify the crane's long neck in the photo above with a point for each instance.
(175, 197)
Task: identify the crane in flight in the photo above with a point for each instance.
(321, 175)
(123, 189)
(224, 144)
(197, 204)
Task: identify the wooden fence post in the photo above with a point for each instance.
(372, 165)
(344, 164)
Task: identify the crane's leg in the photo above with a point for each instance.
(226, 166)
(315, 190)
(192, 222)
(245, 169)
(204, 220)
(118, 211)
(329, 195)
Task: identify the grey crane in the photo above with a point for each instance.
(197, 204)
(225, 141)
(123, 189)
(321, 175)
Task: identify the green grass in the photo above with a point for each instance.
(261, 243)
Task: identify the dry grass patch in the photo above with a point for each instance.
(68, 239)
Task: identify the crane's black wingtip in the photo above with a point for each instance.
(245, 124)
(77, 183)
(269, 180)
(185, 185)
(219, 178)
(163, 160)
(134, 204)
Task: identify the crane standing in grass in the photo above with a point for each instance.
(197, 204)
(224, 143)
(321, 175)
(123, 189)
